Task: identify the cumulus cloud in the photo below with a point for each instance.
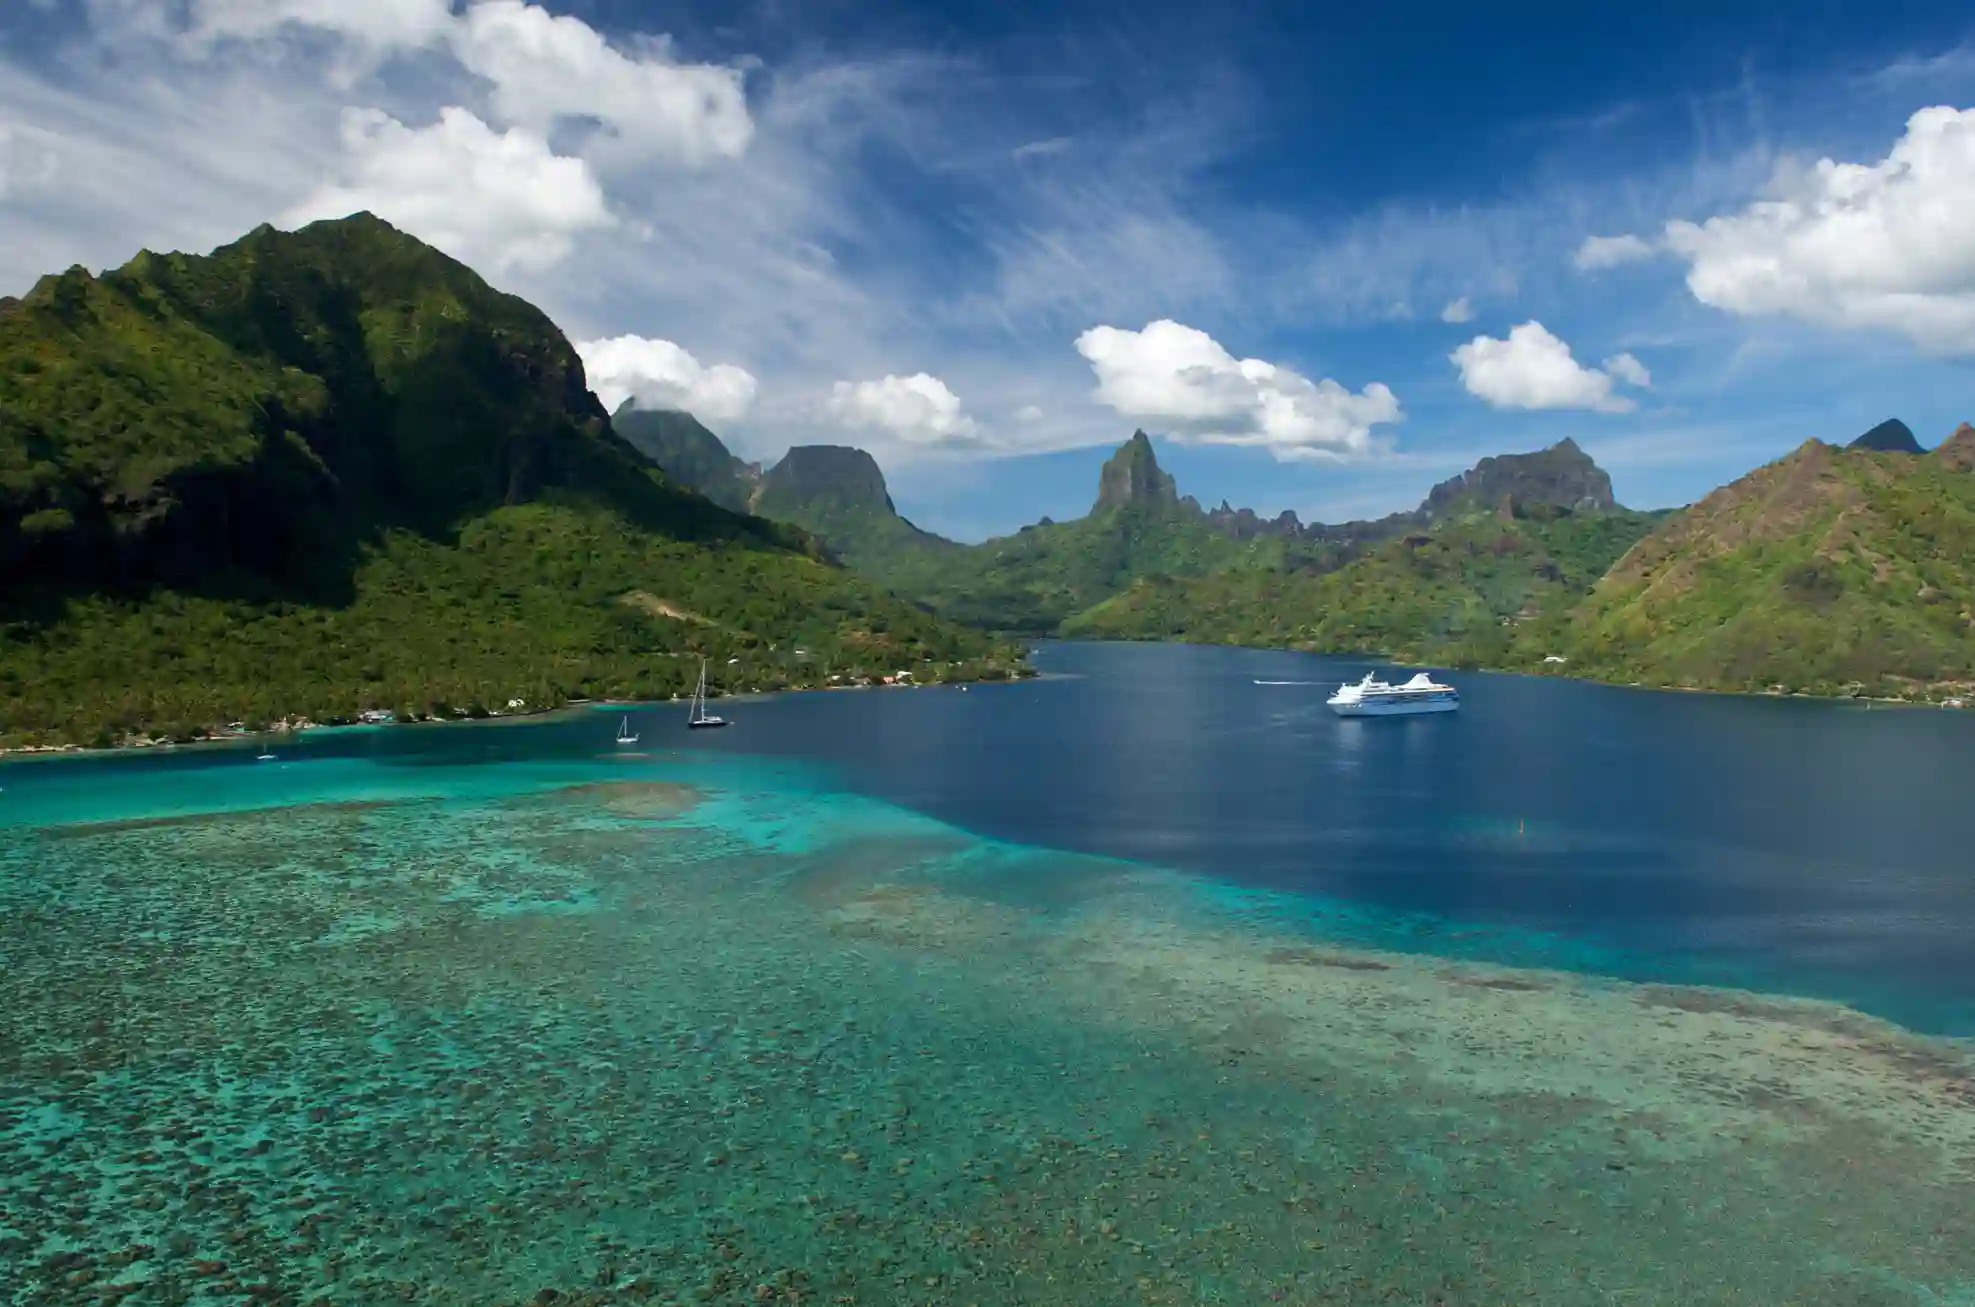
(546, 68)
(659, 374)
(1459, 311)
(1028, 413)
(1183, 380)
(918, 409)
(1886, 245)
(1534, 369)
(1628, 369)
(498, 199)
(543, 69)
(1600, 252)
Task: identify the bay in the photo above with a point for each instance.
(1147, 981)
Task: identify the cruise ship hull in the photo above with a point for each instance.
(1402, 708)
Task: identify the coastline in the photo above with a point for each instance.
(224, 738)
(1958, 695)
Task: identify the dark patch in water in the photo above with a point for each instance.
(1932, 1065)
(89, 829)
(845, 871)
(1506, 984)
(643, 800)
(1311, 957)
(1689, 999)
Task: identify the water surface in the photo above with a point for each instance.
(1147, 984)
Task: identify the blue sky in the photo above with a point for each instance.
(987, 242)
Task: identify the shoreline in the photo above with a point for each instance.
(507, 716)
(1962, 700)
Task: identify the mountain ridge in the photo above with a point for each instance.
(1828, 570)
(687, 452)
(330, 470)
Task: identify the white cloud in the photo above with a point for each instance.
(1534, 369)
(1028, 413)
(918, 409)
(1458, 311)
(1183, 380)
(546, 68)
(543, 68)
(384, 24)
(1038, 149)
(659, 374)
(1600, 252)
(504, 200)
(1887, 245)
(1626, 368)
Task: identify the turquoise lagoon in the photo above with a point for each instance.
(500, 1015)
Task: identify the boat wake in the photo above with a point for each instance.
(1292, 682)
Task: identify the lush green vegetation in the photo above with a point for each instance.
(689, 454)
(530, 603)
(1457, 593)
(1035, 580)
(332, 470)
(838, 494)
(1829, 571)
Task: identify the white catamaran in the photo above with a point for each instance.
(1372, 697)
(625, 735)
(700, 719)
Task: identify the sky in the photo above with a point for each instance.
(1325, 255)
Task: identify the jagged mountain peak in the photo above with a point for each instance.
(1132, 477)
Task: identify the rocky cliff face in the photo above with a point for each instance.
(1562, 476)
(836, 475)
(1132, 477)
(1890, 437)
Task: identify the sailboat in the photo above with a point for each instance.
(625, 735)
(701, 719)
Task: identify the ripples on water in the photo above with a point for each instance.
(695, 1030)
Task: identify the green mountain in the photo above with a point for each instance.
(1034, 580)
(1026, 583)
(1828, 570)
(1958, 450)
(318, 472)
(689, 454)
(839, 494)
(1452, 593)
(1562, 476)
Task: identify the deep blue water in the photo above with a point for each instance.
(1812, 847)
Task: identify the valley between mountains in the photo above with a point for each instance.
(331, 472)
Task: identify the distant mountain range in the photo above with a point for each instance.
(332, 470)
(1523, 561)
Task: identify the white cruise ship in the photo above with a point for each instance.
(1372, 697)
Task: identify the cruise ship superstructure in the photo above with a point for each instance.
(1372, 697)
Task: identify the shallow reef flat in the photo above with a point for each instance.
(657, 1035)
